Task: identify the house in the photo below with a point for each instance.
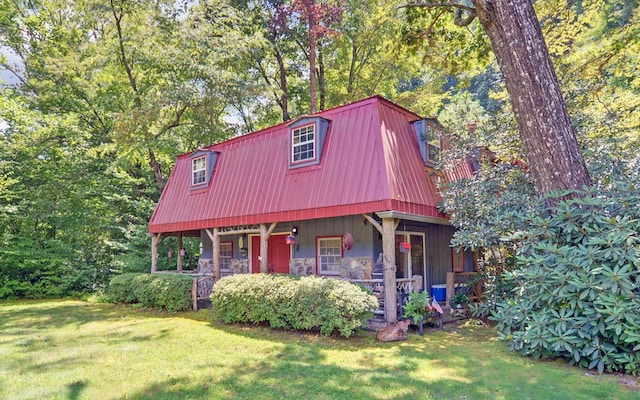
(348, 192)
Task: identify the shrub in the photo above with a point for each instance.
(576, 293)
(121, 288)
(163, 291)
(293, 303)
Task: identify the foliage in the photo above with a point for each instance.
(285, 302)
(575, 293)
(162, 291)
(459, 298)
(420, 308)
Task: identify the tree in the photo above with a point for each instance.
(548, 135)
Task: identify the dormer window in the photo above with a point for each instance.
(433, 145)
(199, 170)
(428, 133)
(306, 140)
(303, 143)
(202, 165)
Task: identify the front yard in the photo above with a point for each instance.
(78, 350)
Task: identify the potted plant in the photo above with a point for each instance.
(421, 309)
(458, 302)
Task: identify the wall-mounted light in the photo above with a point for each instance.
(294, 231)
(242, 242)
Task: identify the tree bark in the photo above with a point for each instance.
(157, 170)
(284, 91)
(321, 82)
(543, 121)
(312, 63)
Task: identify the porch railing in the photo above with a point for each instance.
(467, 281)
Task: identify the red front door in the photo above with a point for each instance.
(278, 258)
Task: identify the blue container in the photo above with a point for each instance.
(439, 292)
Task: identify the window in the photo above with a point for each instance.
(303, 143)
(199, 168)
(226, 253)
(433, 145)
(329, 255)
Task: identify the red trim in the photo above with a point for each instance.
(297, 215)
(318, 254)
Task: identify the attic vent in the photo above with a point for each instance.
(428, 132)
(202, 165)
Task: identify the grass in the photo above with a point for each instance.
(79, 350)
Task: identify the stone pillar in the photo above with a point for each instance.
(389, 270)
(216, 255)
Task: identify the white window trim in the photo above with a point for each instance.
(314, 142)
(230, 244)
(319, 256)
(194, 171)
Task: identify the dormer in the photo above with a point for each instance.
(202, 165)
(306, 136)
(429, 131)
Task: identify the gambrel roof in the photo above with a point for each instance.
(370, 162)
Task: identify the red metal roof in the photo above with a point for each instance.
(370, 163)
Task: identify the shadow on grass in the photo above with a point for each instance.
(56, 314)
(295, 373)
(75, 390)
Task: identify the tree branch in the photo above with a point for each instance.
(434, 5)
(460, 8)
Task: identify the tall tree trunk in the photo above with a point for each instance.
(157, 170)
(284, 92)
(312, 63)
(321, 82)
(540, 111)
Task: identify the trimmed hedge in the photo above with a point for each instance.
(288, 302)
(163, 291)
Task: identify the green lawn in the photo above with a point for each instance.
(77, 350)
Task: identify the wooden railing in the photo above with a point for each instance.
(467, 281)
(202, 289)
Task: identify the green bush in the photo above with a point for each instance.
(163, 291)
(576, 294)
(293, 303)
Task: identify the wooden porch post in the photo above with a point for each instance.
(264, 245)
(216, 254)
(180, 252)
(154, 252)
(389, 270)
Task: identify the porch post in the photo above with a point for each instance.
(216, 255)
(264, 245)
(264, 248)
(179, 252)
(154, 252)
(389, 270)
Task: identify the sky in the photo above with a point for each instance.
(7, 77)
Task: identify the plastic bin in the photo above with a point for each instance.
(439, 292)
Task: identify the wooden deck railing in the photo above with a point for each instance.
(467, 281)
